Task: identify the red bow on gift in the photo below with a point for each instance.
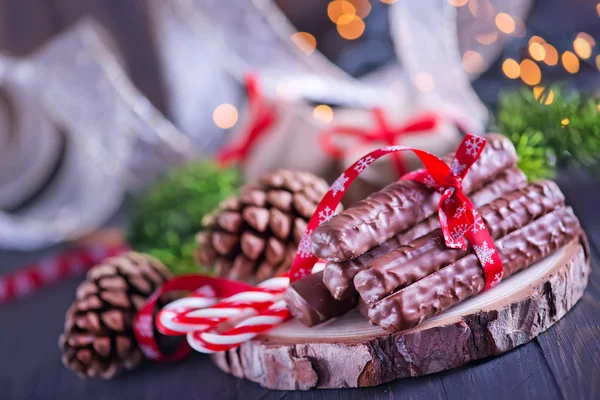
(262, 117)
(459, 219)
(383, 132)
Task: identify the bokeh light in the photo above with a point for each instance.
(458, 3)
(550, 54)
(363, 7)
(505, 23)
(565, 122)
(543, 95)
(570, 62)
(536, 39)
(337, 8)
(486, 38)
(481, 8)
(388, 1)
(305, 42)
(537, 51)
(350, 26)
(583, 45)
(323, 113)
(530, 72)
(598, 62)
(511, 68)
(424, 82)
(225, 116)
(473, 62)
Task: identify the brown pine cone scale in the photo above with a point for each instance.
(255, 236)
(98, 339)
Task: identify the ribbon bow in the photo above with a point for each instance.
(383, 132)
(262, 117)
(459, 219)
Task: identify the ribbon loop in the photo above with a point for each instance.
(459, 219)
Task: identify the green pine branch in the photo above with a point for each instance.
(170, 212)
(564, 133)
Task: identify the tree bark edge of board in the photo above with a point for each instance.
(319, 365)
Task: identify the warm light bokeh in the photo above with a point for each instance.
(486, 38)
(550, 55)
(582, 48)
(543, 95)
(225, 116)
(530, 72)
(337, 8)
(505, 23)
(323, 113)
(424, 82)
(537, 51)
(570, 62)
(350, 26)
(511, 68)
(305, 42)
(458, 3)
(473, 62)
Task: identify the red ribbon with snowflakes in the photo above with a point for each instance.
(459, 220)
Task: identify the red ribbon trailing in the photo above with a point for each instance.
(51, 270)
(262, 117)
(383, 132)
(459, 219)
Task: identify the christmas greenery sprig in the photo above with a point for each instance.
(170, 213)
(556, 128)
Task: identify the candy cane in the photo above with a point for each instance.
(166, 323)
(211, 342)
(187, 317)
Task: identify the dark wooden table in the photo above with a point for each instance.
(561, 363)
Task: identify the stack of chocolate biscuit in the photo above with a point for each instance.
(388, 252)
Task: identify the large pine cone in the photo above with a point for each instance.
(98, 337)
(255, 236)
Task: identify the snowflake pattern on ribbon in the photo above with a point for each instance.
(474, 145)
(478, 224)
(326, 214)
(484, 254)
(429, 181)
(339, 186)
(304, 247)
(497, 279)
(393, 148)
(363, 163)
(460, 211)
(144, 325)
(456, 167)
(459, 231)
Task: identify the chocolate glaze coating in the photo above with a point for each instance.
(338, 276)
(309, 301)
(427, 254)
(464, 278)
(399, 206)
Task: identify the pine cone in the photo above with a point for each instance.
(255, 236)
(98, 337)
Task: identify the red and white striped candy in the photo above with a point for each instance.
(211, 342)
(187, 316)
(166, 319)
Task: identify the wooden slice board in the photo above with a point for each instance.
(351, 352)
